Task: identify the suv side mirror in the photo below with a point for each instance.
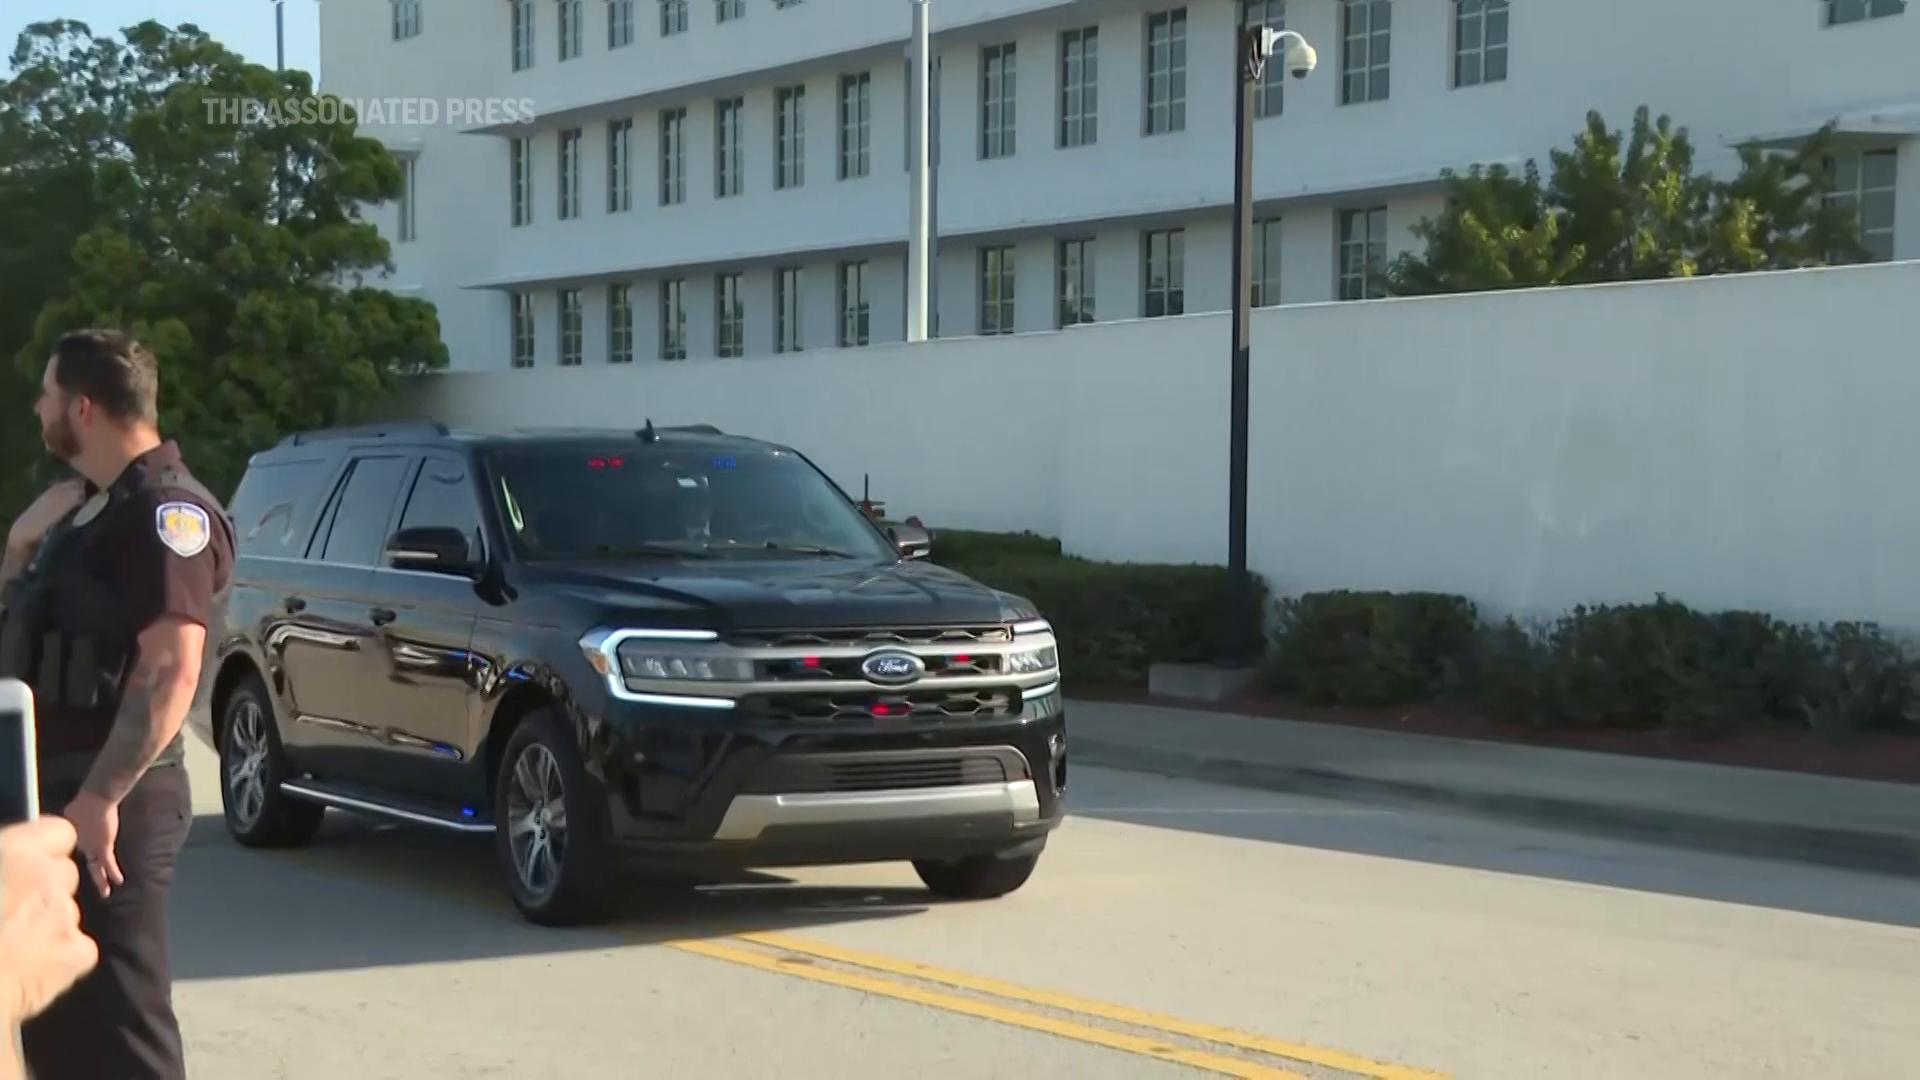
(913, 541)
(435, 549)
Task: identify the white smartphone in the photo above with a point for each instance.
(19, 774)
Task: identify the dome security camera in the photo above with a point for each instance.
(1299, 57)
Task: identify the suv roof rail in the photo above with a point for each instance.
(368, 431)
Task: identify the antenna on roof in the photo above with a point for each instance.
(648, 433)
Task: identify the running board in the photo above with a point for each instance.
(329, 795)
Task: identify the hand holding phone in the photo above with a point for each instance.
(43, 950)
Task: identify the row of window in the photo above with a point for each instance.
(622, 23)
(1362, 259)
(730, 335)
(855, 151)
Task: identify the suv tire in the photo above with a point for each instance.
(551, 827)
(979, 877)
(252, 766)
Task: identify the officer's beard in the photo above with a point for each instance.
(62, 444)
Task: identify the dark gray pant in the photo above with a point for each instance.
(118, 1021)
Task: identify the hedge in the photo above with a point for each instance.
(1641, 666)
(1631, 666)
(1114, 619)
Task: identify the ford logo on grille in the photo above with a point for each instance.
(892, 668)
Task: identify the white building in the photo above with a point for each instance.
(724, 177)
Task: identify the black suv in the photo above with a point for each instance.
(662, 642)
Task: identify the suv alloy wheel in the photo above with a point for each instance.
(252, 766)
(551, 827)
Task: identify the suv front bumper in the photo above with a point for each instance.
(801, 795)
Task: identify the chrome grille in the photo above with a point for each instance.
(847, 668)
(869, 637)
(918, 705)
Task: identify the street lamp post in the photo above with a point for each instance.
(918, 223)
(1253, 48)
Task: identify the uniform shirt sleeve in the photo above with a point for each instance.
(170, 560)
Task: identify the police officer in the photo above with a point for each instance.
(108, 620)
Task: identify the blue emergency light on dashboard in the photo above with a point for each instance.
(726, 462)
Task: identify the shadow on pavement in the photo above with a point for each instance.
(1400, 831)
(368, 895)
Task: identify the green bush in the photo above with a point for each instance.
(1658, 665)
(1114, 619)
(957, 546)
(1370, 648)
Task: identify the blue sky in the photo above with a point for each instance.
(245, 26)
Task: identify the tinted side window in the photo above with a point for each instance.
(274, 507)
(358, 528)
(442, 497)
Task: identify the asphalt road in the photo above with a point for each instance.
(1173, 929)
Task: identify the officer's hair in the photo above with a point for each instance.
(114, 370)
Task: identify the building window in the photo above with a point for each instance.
(911, 126)
(729, 10)
(409, 199)
(790, 137)
(1076, 282)
(521, 153)
(854, 309)
(620, 323)
(730, 317)
(1853, 11)
(996, 101)
(522, 344)
(570, 173)
(620, 165)
(572, 331)
(1166, 259)
(727, 172)
(1363, 253)
(787, 336)
(673, 319)
(1366, 62)
(856, 124)
(1270, 95)
(619, 24)
(1080, 87)
(1865, 184)
(996, 290)
(406, 19)
(522, 34)
(1167, 71)
(572, 29)
(1266, 263)
(673, 156)
(1479, 42)
(673, 17)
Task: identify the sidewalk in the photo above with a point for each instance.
(1852, 823)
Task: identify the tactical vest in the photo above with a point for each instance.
(66, 634)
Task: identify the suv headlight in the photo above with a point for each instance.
(640, 662)
(1033, 661)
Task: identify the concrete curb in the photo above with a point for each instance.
(1877, 852)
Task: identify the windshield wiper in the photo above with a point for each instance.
(809, 549)
(611, 551)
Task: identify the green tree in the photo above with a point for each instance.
(1627, 207)
(229, 240)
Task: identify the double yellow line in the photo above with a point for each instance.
(800, 958)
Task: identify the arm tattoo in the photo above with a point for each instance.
(130, 747)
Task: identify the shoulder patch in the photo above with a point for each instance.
(183, 527)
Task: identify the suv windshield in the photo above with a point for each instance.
(637, 500)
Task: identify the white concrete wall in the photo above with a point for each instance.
(1734, 442)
